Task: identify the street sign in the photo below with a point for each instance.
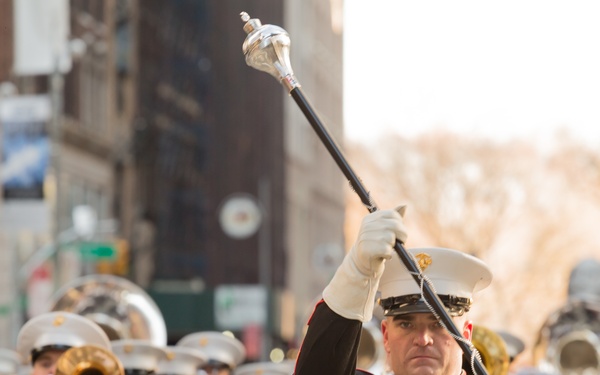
(237, 306)
(97, 251)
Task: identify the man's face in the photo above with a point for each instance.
(46, 363)
(417, 344)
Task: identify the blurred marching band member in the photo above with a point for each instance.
(181, 360)
(224, 352)
(265, 368)
(44, 338)
(138, 357)
(10, 362)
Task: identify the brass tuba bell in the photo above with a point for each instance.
(492, 349)
(569, 340)
(88, 360)
(121, 308)
(371, 353)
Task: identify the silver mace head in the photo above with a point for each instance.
(267, 48)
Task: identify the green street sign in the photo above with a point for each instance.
(97, 251)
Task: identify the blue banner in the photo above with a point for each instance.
(25, 146)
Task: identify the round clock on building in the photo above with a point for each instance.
(240, 216)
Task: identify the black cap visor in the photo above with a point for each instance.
(414, 303)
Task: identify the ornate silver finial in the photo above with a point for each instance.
(267, 49)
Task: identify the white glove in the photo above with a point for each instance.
(351, 291)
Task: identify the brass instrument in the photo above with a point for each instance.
(492, 349)
(569, 340)
(121, 308)
(371, 352)
(88, 360)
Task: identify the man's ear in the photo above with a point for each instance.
(384, 331)
(468, 330)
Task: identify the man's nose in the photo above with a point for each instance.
(423, 337)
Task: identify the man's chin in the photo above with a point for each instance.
(424, 366)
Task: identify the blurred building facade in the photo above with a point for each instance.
(164, 129)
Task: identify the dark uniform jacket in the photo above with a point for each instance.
(330, 346)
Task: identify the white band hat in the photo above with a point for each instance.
(136, 354)
(219, 347)
(58, 330)
(455, 277)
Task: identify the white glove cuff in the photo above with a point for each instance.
(350, 293)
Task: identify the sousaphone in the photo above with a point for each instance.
(121, 308)
(569, 340)
(89, 360)
(492, 350)
(371, 354)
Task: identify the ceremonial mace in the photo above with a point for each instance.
(266, 48)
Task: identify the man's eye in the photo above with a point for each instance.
(404, 324)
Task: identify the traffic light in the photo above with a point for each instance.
(118, 265)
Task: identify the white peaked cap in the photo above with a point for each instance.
(218, 346)
(452, 273)
(59, 329)
(264, 368)
(180, 360)
(138, 354)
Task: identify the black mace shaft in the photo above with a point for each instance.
(333, 149)
(365, 198)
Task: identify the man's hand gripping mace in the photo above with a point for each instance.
(266, 48)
